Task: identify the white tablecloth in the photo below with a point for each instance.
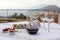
(42, 34)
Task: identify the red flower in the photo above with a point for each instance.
(24, 24)
(6, 29)
(14, 25)
(10, 30)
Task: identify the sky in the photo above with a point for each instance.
(24, 4)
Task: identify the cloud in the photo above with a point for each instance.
(53, 2)
(17, 4)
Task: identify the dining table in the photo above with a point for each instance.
(22, 34)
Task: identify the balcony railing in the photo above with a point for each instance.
(14, 15)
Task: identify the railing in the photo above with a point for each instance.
(14, 15)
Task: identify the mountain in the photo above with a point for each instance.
(45, 7)
(51, 8)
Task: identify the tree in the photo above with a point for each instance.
(20, 16)
(15, 15)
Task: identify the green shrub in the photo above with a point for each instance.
(20, 16)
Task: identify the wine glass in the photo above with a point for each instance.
(43, 18)
(49, 19)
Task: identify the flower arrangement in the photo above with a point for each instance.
(15, 26)
(8, 30)
(21, 26)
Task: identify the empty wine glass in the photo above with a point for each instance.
(49, 19)
(43, 18)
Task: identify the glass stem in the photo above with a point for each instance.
(49, 26)
(44, 24)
